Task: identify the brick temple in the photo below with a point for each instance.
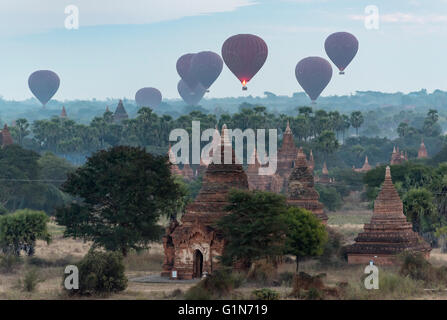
(256, 181)
(193, 245)
(301, 191)
(388, 232)
(398, 157)
(365, 168)
(286, 157)
(422, 152)
(5, 137)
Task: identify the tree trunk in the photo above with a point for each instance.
(297, 264)
(124, 251)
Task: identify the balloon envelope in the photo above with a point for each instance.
(148, 97)
(206, 67)
(313, 74)
(184, 70)
(341, 48)
(244, 55)
(190, 96)
(43, 84)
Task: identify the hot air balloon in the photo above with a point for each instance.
(341, 48)
(190, 96)
(148, 97)
(184, 70)
(206, 67)
(43, 84)
(244, 55)
(313, 74)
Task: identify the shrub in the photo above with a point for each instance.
(262, 272)
(8, 262)
(216, 285)
(265, 294)
(30, 281)
(286, 278)
(20, 230)
(415, 266)
(314, 294)
(332, 250)
(101, 273)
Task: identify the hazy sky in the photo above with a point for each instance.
(122, 46)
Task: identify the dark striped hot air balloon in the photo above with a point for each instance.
(148, 97)
(313, 74)
(244, 55)
(341, 48)
(206, 67)
(190, 96)
(44, 85)
(184, 70)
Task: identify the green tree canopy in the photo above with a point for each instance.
(305, 236)
(253, 228)
(122, 193)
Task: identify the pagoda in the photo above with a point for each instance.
(63, 113)
(398, 157)
(301, 191)
(286, 156)
(120, 113)
(187, 172)
(6, 137)
(311, 162)
(174, 167)
(257, 181)
(422, 152)
(192, 247)
(388, 233)
(324, 174)
(365, 168)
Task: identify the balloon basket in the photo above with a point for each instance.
(244, 88)
(341, 72)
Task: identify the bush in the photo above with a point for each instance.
(415, 266)
(216, 285)
(30, 281)
(314, 294)
(265, 294)
(262, 272)
(286, 278)
(330, 197)
(101, 273)
(8, 262)
(332, 254)
(20, 230)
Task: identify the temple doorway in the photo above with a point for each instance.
(198, 264)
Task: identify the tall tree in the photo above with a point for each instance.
(254, 227)
(356, 121)
(122, 192)
(305, 236)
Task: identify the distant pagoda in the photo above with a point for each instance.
(388, 233)
(63, 112)
(6, 138)
(324, 178)
(398, 157)
(256, 181)
(120, 113)
(422, 152)
(365, 168)
(301, 191)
